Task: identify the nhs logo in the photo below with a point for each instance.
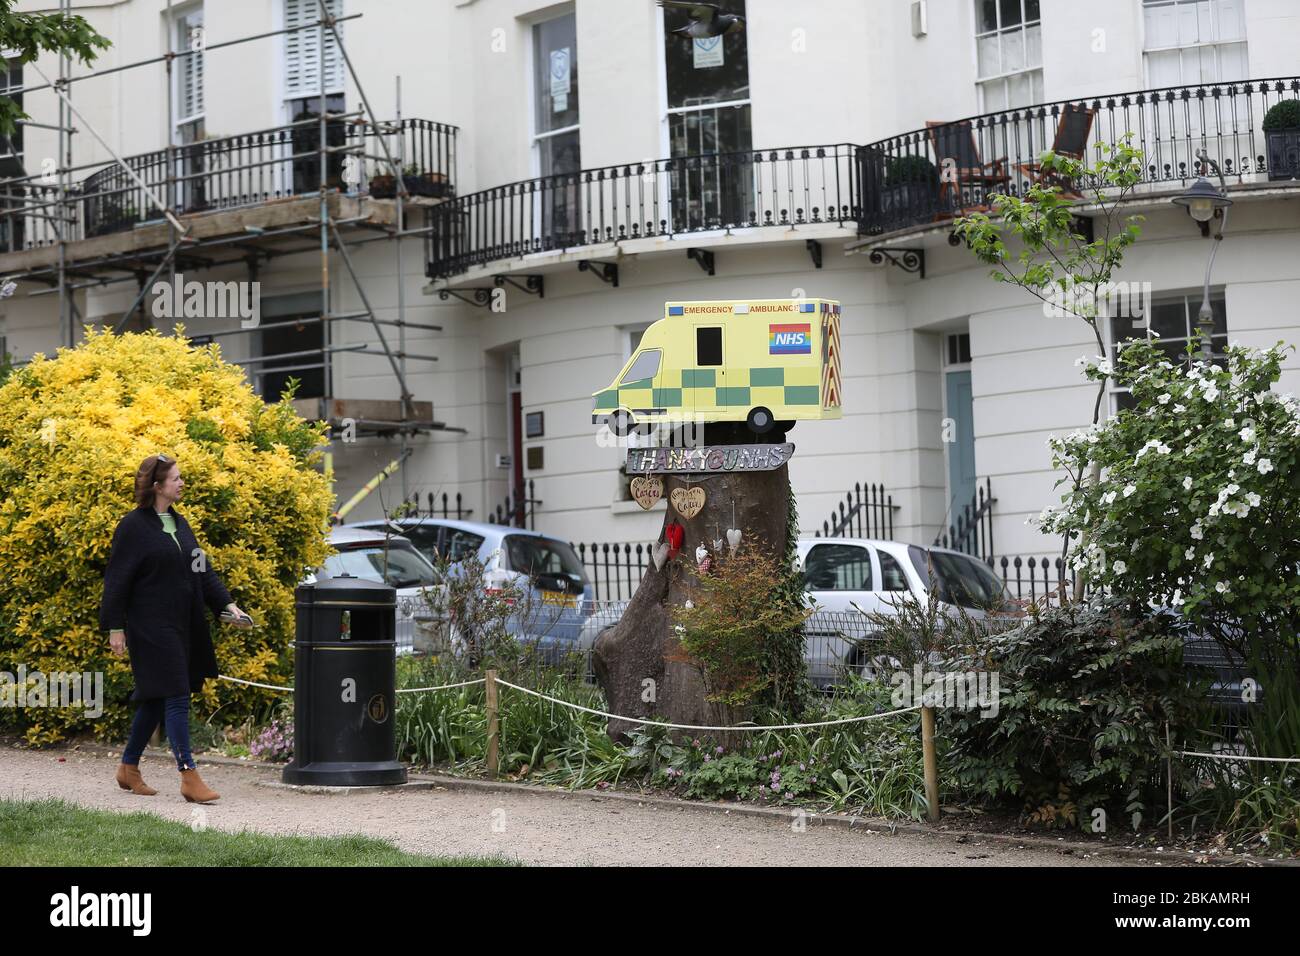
(789, 340)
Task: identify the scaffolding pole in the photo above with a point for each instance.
(139, 262)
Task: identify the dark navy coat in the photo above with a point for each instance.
(153, 592)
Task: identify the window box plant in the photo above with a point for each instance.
(911, 187)
(418, 182)
(1282, 133)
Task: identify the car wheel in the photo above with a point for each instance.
(760, 420)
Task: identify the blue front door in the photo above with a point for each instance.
(960, 438)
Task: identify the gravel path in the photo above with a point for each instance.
(536, 828)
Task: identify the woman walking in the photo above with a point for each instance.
(155, 589)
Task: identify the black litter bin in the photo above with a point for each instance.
(344, 685)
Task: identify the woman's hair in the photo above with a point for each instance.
(151, 470)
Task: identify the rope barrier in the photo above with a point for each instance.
(609, 716)
(1194, 753)
(464, 683)
(649, 720)
(249, 683)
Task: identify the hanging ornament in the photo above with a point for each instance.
(733, 533)
(660, 555)
(674, 535)
(717, 541)
(646, 491)
(689, 604)
(688, 501)
(702, 559)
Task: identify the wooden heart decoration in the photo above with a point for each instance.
(733, 539)
(660, 555)
(647, 491)
(688, 501)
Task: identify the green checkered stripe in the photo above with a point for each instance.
(698, 388)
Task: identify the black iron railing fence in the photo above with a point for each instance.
(971, 530)
(615, 568)
(439, 506)
(865, 512)
(663, 197)
(1034, 578)
(519, 510)
(227, 172)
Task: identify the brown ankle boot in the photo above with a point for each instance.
(128, 778)
(194, 790)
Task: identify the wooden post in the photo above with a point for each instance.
(931, 762)
(493, 746)
(1169, 777)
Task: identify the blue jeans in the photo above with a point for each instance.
(174, 713)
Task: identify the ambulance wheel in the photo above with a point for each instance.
(784, 427)
(620, 423)
(760, 421)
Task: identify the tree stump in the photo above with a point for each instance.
(638, 662)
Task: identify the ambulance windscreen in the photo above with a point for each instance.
(646, 366)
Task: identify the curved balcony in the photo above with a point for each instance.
(787, 187)
(955, 167)
(911, 180)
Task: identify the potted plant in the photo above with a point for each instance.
(911, 186)
(418, 182)
(1282, 132)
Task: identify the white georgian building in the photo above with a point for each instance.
(589, 143)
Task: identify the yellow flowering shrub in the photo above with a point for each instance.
(73, 431)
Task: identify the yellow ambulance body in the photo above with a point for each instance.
(760, 361)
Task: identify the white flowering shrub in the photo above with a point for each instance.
(1196, 507)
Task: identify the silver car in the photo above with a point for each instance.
(847, 578)
(559, 595)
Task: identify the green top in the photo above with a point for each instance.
(169, 525)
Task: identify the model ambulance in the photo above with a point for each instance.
(760, 361)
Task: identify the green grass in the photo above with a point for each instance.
(57, 833)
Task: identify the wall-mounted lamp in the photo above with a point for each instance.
(1203, 202)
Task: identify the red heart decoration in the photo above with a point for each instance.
(674, 535)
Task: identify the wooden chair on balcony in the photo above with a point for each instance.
(1072, 133)
(976, 180)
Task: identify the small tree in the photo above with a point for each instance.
(1056, 262)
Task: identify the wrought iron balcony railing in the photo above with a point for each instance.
(948, 169)
(926, 176)
(228, 172)
(666, 197)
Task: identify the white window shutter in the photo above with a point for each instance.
(189, 68)
(302, 50)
